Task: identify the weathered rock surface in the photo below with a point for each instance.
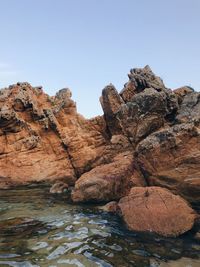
(107, 182)
(149, 107)
(155, 209)
(182, 92)
(148, 135)
(140, 79)
(43, 138)
(171, 158)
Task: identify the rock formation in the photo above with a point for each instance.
(43, 138)
(160, 128)
(149, 135)
(155, 209)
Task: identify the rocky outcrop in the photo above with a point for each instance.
(163, 128)
(139, 80)
(148, 135)
(43, 138)
(154, 209)
(171, 158)
(144, 111)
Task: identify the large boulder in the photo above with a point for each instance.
(171, 158)
(107, 182)
(155, 209)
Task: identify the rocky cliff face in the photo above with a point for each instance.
(43, 138)
(149, 135)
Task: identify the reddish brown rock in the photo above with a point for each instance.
(111, 103)
(107, 182)
(154, 209)
(44, 138)
(171, 158)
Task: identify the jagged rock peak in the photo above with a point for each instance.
(110, 100)
(139, 80)
(145, 78)
(64, 93)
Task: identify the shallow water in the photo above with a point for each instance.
(38, 229)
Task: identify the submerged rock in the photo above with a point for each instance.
(197, 236)
(20, 226)
(182, 262)
(155, 209)
(59, 188)
(111, 207)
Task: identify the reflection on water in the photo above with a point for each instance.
(38, 229)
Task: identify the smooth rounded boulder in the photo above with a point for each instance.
(107, 182)
(155, 209)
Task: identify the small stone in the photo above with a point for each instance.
(59, 188)
(197, 236)
(110, 207)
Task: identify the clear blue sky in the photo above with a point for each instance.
(86, 44)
